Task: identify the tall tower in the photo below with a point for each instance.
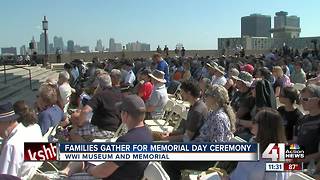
(286, 26)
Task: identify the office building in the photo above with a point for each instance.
(286, 26)
(256, 25)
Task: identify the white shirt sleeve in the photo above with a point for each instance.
(10, 160)
(130, 78)
(65, 93)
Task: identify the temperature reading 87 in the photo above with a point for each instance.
(292, 166)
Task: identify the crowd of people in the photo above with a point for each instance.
(272, 98)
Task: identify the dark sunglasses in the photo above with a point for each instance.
(305, 99)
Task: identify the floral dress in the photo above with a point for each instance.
(216, 128)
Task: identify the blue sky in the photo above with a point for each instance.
(195, 23)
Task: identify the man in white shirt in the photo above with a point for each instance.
(65, 89)
(14, 135)
(130, 77)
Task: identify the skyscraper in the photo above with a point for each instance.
(33, 46)
(70, 46)
(112, 45)
(42, 43)
(51, 49)
(286, 26)
(99, 46)
(23, 50)
(256, 25)
(137, 46)
(58, 43)
(9, 51)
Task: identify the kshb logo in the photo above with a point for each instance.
(275, 152)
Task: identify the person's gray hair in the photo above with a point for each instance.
(64, 75)
(116, 73)
(104, 81)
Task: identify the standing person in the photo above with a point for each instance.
(14, 135)
(176, 51)
(159, 49)
(132, 115)
(159, 96)
(166, 50)
(183, 52)
(162, 65)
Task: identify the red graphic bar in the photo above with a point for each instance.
(293, 167)
(40, 151)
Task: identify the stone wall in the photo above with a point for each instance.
(89, 56)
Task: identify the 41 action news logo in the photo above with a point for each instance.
(282, 152)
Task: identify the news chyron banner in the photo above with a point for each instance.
(143, 152)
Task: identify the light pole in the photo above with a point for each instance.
(45, 29)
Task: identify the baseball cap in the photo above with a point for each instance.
(132, 104)
(248, 68)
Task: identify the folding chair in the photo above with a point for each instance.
(51, 133)
(154, 171)
(211, 176)
(238, 139)
(120, 130)
(168, 113)
(183, 116)
(299, 86)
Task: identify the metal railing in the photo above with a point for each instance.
(15, 67)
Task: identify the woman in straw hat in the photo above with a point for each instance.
(159, 96)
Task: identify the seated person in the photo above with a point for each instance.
(27, 117)
(50, 114)
(290, 115)
(115, 75)
(197, 113)
(267, 128)
(145, 89)
(242, 103)
(218, 127)
(14, 135)
(132, 115)
(159, 96)
(65, 90)
(105, 119)
(308, 129)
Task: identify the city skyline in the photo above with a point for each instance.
(192, 23)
